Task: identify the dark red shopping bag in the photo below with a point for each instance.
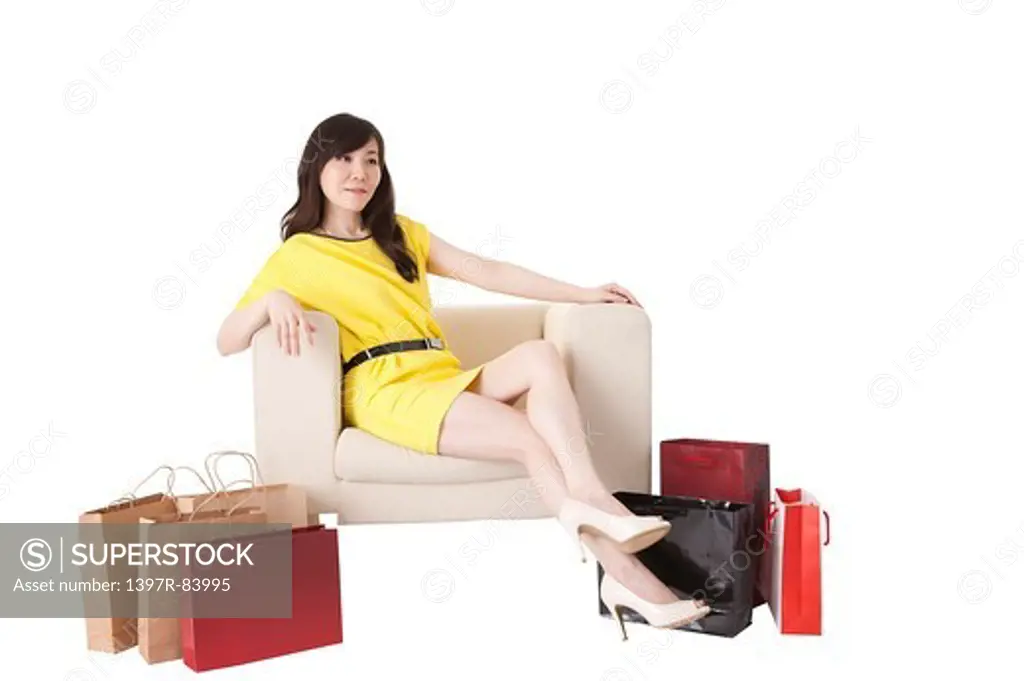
(724, 471)
(795, 537)
(215, 642)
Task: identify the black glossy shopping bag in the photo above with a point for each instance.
(707, 555)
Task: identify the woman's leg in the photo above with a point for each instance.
(536, 368)
(478, 427)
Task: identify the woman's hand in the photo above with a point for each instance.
(287, 318)
(609, 293)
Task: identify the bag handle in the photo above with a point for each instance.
(131, 497)
(773, 510)
(254, 466)
(211, 468)
(223, 492)
(254, 471)
(173, 477)
(220, 492)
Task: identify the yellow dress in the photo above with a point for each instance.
(401, 397)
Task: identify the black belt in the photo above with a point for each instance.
(388, 348)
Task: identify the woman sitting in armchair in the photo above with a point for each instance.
(346, 253)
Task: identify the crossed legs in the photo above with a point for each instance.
(550, 440)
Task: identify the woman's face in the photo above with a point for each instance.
(349, 181)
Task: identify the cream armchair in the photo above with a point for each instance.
(300, 437)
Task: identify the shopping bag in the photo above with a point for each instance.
(724, 471)
(115, 634)
(159, 637)
(702, 557)
(795, 541)
(216, 642)
(283, 503)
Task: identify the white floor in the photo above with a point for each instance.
(510, 600)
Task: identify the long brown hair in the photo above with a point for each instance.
(333, 138)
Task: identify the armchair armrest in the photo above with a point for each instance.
(607, 351)
(298, 409)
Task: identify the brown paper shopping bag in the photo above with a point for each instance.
(283, 503)
(115, 634)
(159, 638)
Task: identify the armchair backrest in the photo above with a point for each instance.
(479, 333)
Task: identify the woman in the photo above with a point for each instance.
(346, 253)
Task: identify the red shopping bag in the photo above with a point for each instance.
(724, 471)
(795, 540)
(216, 642)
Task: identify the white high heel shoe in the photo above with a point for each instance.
(662, 615)
(632, 533)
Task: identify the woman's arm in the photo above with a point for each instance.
(450, 261)
(279, 309)
(446, 260)
(237, 330)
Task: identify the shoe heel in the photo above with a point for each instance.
(618, 618)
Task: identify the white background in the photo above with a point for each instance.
(844, 340)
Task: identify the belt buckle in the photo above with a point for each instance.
(435, 343)
(369, 353)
